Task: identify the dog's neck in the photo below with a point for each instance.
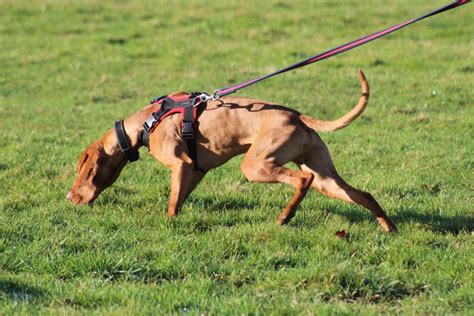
(134, 124)
(133, 127)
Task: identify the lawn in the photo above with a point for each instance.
(69, 69)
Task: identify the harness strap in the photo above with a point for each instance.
(187, 132)
(144, 138)
(192, 151)
(188, 123)
(187, 106)
(124, 143)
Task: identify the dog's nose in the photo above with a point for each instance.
(69, 196)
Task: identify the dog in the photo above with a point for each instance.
(268, 134)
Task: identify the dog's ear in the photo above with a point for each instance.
(106, 170)
(82, 161)
(98, 160)
(91, 165)
(88, 156)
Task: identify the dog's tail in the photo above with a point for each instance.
(329, 126)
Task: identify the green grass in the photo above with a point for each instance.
(68, 70)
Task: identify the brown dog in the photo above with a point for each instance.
(270, 136)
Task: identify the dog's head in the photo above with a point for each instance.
(97, 169)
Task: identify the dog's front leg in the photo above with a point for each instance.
(181, 176)
(172, 152)
(167, 146)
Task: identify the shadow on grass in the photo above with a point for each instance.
(19, 292)
(434, 222)
(227, 204)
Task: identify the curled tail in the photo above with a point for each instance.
(329, 126)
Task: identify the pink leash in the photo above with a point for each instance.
(332, 52)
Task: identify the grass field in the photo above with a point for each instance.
(69, 69)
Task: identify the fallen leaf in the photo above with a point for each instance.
(342, 233)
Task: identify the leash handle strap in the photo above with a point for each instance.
(335, 51)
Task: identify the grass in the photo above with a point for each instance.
(68, 70)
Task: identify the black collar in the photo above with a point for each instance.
(124, 143)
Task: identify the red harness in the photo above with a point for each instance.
(187, 105)
(177, 101)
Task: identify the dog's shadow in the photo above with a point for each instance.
(437, 223)
(434, 222)
(19, 292)
(226, 204)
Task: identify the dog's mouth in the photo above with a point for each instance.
(77, 199)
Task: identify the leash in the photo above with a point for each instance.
(329, 53)
(197, 98)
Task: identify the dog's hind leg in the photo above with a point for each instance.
(258, 170)
(328, 182)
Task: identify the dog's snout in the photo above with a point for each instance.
(69, 196)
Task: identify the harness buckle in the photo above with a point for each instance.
(187, 132)
(148, 125)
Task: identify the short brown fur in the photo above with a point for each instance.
(270, 135)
